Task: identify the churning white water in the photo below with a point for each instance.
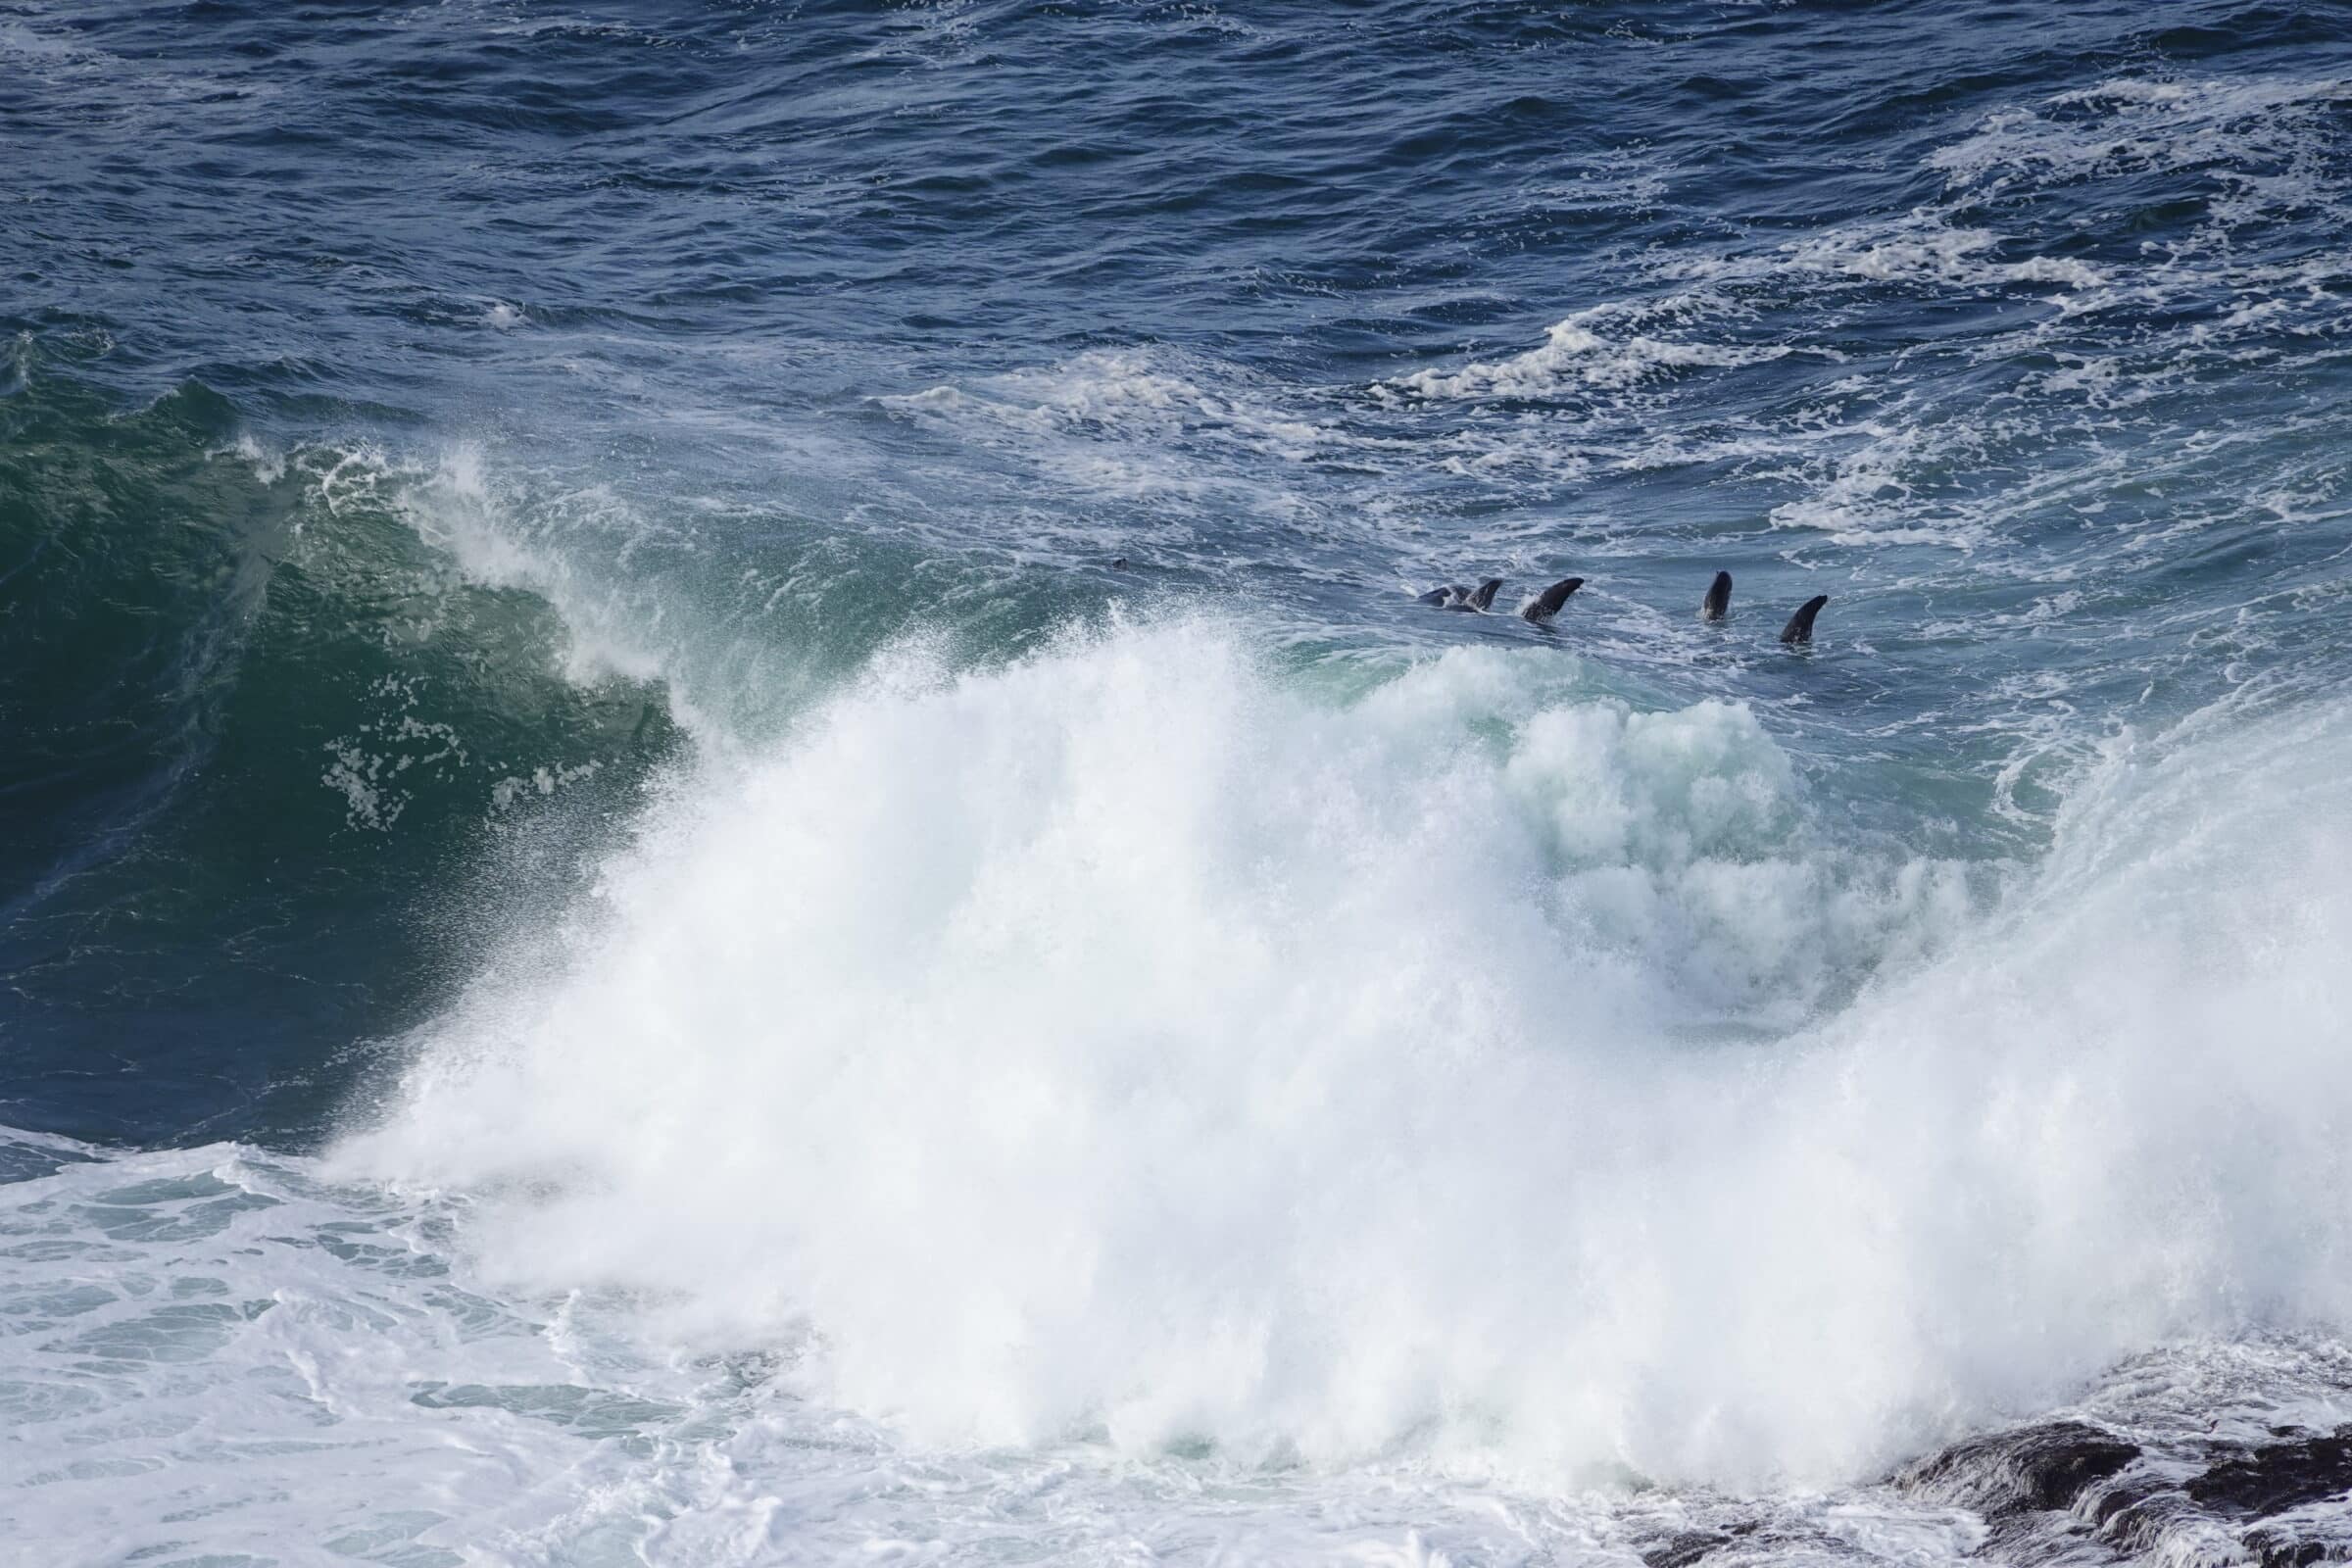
(1152, 1101)
(1135, 1042)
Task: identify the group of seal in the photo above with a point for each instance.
(1714, 607)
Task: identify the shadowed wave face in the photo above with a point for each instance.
(720, 783)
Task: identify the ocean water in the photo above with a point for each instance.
(728, 836)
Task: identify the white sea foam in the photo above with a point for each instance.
(2128, 124)
(214, 1356)
(2259, 150)
(1143, 424)
(1923, 249)
(492, 525)
(456, 504)
(1601, 348)
(1129, 1041)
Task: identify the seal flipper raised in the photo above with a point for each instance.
(1478, 598)
(1800, 625)
(1546, 604)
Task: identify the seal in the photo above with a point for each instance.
(1546, 604)
(1455, 596)
(1800, 625)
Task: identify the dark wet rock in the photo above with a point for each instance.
(2277, 1476)
(2049, 1491)
(2285, 1549)
(1685, 1548)
(2239, 1498)
(2118, 1501)
(2039, 1468)
(2137, 1520)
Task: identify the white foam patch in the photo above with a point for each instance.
(1127, 1040)
(455, 507)
(1600, 348)
(1630, 376)
(1123, 1036)
(211, 1356)
(1920, 249)
(2129, 124)
(1143, 424)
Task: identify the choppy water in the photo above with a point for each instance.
(727, 835)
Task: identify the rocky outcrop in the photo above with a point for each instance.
(2054, 1488)
(2037, 1469)
(2275, 1476)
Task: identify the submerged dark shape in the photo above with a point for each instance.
(1800, 625)
(1440, 596)
(1546, 604)
(1717, 602)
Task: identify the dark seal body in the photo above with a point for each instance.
(1800, 625)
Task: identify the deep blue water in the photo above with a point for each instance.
(923, 313)
(618, 546)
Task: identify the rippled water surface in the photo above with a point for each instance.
(727, 834)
